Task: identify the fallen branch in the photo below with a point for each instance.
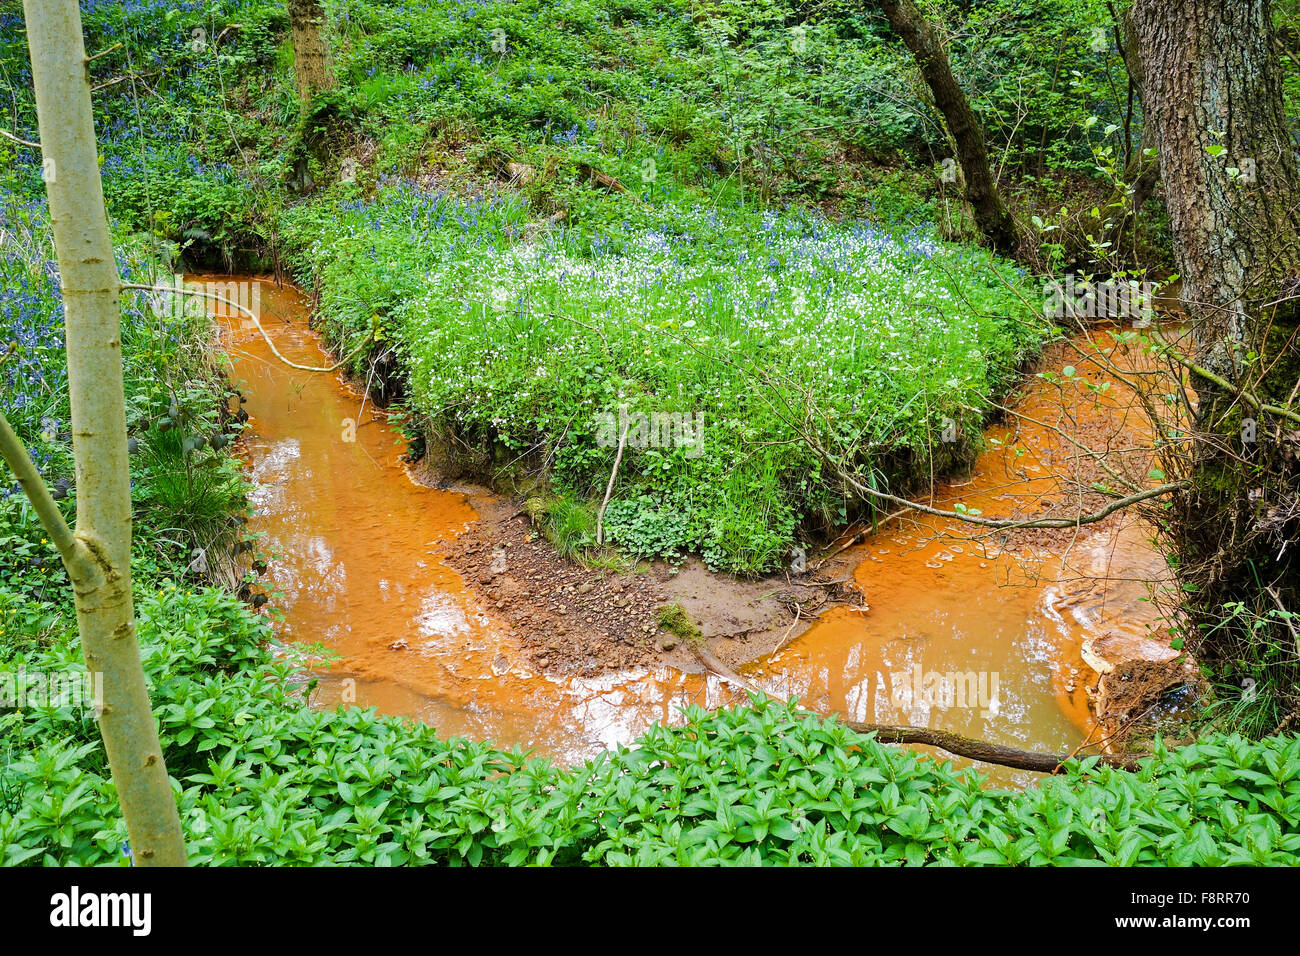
(122, 79)
(19, 140)
(1005, 523)
(602, 179)
(253, 318)
(982, 749)
(852, 540)
(609, 489)
(786, 636)
(944, 740)
(719, 669)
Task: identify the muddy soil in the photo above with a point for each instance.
(573, 619)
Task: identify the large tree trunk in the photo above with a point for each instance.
(98, 556)
(312, 64)
(1213, 93)
(991, 216)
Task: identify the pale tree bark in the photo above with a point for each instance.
(98, 555)
(991, 215)
(312, 64)
(1213, 93)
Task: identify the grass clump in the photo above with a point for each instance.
(570, 525)
(674, 619)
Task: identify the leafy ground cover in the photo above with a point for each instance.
(262, 779)
(741, 326)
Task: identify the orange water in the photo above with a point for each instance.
(947, 598)
(355, 563)
(354, 544)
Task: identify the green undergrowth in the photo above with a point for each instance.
(188, 491)
(772, 263)
(745, 358)
(263, 779)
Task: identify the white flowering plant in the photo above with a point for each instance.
(756, 324)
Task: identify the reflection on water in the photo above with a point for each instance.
(355, 545)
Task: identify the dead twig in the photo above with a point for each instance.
(609, 489)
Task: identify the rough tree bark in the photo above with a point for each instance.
(312, 64)
(98, 555)
(991, 215)
(1213, 93)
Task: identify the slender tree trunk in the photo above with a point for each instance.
(98, 556)
(1141, 171)
(991, 215)
(312, 64)
(1213, 92)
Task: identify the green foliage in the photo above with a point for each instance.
(732, 325)
(176, 160)
(644, 528)
(697, 290)
(188, 489)
(570, 525)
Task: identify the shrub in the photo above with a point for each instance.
(744, 322)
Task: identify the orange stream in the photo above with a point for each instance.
(354, 546)
(944, 600)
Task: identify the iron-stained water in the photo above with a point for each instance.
(355, 547)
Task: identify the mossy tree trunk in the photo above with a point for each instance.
(1213, 92)
(991, 215)
(98, 555)
(312, 64)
